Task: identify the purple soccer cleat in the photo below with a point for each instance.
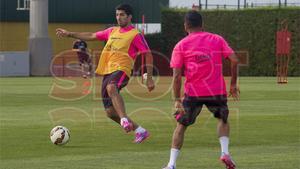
(140, 137)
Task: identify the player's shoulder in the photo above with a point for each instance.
(112, 28)
(179, 44)
(137, 31)
(138, 34)
(213, 35)
(182, 42)
(216, 36)
(107, 29)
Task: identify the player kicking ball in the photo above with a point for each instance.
(124, 43)
(200, 56)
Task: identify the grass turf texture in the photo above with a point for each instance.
(265, 127)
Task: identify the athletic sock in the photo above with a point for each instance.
(124, 119)
(140, 129)
(173, 157)
(224, 141)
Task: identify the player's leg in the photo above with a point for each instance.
(82, 67)
(218, 106)
(223, 133)
(177, 142)
(192, 109)
(90, 66)
(119, 107)
(117, 81)
(178, 136)
(109, 109)
(107, 103)
(117, 99)
(112, 114)
(87, 64)
(81, 62)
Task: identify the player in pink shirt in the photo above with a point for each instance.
(200, 55)
(124, 43)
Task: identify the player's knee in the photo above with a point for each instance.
(223, 115)
(111, 89)
(181, 127)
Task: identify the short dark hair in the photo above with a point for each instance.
(125, 7)
(193, 19)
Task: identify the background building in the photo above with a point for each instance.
(76, 15)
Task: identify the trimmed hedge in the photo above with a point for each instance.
(252, 30)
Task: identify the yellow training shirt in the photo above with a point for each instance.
(115, 55)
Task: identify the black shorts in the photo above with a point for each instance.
(83, 57)
(193, 105)
(118, 78)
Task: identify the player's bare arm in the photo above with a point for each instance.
(87, 36)
(149, 67)
(177, 89)
(234, 89)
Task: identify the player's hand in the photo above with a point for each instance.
(234, 92)
(150, 84)
(62, 33)
(179, 107)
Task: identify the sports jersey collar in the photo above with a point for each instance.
(126, 29)
(194, 33)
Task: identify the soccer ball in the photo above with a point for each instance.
(59, 135)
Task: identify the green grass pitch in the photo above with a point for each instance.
(265, 127)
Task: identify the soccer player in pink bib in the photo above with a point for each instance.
(200, 55)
